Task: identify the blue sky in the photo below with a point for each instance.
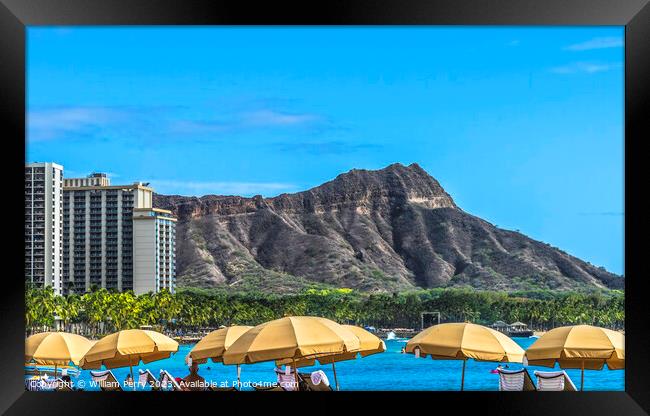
(522, 126)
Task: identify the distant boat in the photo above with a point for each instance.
(516, 329)
(520, 333)
(391, 335)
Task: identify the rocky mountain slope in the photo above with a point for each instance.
(385, 230)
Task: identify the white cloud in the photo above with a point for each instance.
(161, 122)
(243, 121)
(198, 127)
(166, 186)
(275, 118)
(585, 67)
(597, 43)
(604, 213)
(53, 123)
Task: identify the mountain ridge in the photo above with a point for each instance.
(373, 230)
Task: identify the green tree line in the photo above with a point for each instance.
(104, 311)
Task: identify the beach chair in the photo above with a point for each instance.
(63, 385)
(146, 377)
(167, 381)
(106, 380)
(32, 383)
(40, 383)
(49, 383)
(316, 381)
(288, 381)
(194, 385)
(554, 381)
(515, 380)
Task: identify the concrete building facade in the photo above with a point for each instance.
(98, 233)
(94, 179)
(154, 250)
(43, 225)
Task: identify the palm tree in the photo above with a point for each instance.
(67, 308)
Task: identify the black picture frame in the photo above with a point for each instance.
(15, 15)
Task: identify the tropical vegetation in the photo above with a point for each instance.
(102, 311)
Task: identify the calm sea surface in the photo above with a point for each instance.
(390, 370)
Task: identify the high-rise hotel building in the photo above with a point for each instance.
(154, 232)
(43, 225)
(98, 232)
(113, 238)
(82, 233)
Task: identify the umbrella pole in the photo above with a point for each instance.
(582, 375)
(462, 380)
(336, 381)
(131, 369)
(296, 374)
(238, 377)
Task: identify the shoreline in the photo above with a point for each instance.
(380, 332)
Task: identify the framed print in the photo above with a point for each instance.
(394, 203)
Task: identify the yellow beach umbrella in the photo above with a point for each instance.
(461, 341)
(579, 346)
(294, 338)
(127, 348)
(56, 348)
(369, 344)
(215, 344)
(59, 348)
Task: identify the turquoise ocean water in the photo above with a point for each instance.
(390, 370)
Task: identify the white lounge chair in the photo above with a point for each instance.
(146, 377)
(554, 381)
(32, 383)
(288, 381)
(316, 381)
(169, 382)
(40, 383)
(515, 380)
(106, 380)
(62, 385)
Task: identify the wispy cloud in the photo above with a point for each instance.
(597, 43)
(170, 123)
(166, 186)
(247, 120)
(52, 123)
(199, 127)
(603, 214)
(586, 67)
(276, 118)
